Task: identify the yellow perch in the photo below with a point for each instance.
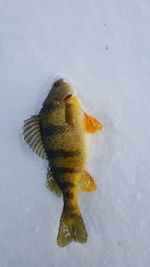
(58, 134)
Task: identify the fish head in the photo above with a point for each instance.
(61, 91)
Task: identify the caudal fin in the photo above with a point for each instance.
(71, 228)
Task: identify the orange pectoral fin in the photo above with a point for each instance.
(91, 124)
(87, 183)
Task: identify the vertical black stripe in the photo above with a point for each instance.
(53, 129)
(62, 153)
(68, 195)
(63, 170)
(66, 185)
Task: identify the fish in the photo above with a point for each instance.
(59, 135)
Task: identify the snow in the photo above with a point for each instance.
(102, 47)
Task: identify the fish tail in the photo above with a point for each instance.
(71, 228)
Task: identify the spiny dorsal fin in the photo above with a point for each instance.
(32, 136)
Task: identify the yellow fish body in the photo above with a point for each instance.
(58, 134)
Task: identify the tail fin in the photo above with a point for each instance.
(71, 228)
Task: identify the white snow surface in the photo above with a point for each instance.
(103, 48)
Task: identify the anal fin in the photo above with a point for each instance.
(87, 183)
(52, 184)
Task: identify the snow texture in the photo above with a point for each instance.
(103, 48)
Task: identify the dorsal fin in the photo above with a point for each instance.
(32, 136)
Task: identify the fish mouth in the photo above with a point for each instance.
(67, 97)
